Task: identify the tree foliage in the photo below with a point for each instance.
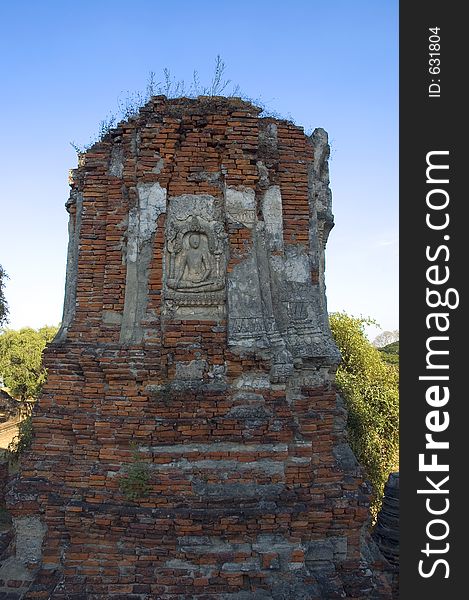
(21, 360)
(3, 302)
(390, 353)
(22, 441)
(370, 389)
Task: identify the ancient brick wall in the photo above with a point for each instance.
(194, 349)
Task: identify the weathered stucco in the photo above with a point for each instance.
(142, 225)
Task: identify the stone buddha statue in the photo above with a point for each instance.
(194, 268)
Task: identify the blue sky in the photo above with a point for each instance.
(332, 64)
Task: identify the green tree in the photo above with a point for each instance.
(21, 360)
(390, 353)
(370, 389)
(3, 302)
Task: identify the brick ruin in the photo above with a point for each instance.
(194, 363)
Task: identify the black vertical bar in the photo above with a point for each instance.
(434, 260)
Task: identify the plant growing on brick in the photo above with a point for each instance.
(130, 103)
(134, 481)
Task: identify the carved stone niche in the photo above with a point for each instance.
(195, 267)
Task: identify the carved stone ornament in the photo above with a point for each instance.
(195, 262)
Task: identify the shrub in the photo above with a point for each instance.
(370, 389)
(21, 360)
(134, 481)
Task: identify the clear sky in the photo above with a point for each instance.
(331, 64)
